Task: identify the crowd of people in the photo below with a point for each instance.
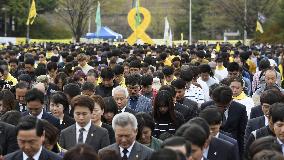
(142, 102)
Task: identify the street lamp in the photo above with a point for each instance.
(5, 23)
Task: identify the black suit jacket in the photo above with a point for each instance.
(254, 124)
(67, 121)
(8, 138)
(97, 137)
(221, 150)
(44, 155)
(233, 141)
(46, 116)
(129, 110)
(235, 123)
(188, 113)
(110, 132)
(256, 112)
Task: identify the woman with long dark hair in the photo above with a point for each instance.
(167, 120)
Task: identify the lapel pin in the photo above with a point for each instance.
(137, 156)
(92, 134)
(215, 153)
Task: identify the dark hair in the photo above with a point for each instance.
(205, 68)
(51, 65)
(40, 70)
(233, 66)
(225, 82)
(30, 122)
(170, 89)
(61, 76)
(13, 60)
(167, 70)
(268, 154)
(264, 143)
(93, 72)
(179, 83)
(164, 99)
(72, 89)
(222, 95)
(88, 86)
(135, 64)
(110, 105)
(178, 141)
(202, 123)
(25, 77)
(60, 98)
(212, 115)
(108, 154)
(271, 96)
(212, 87)
(12, 117)
(193, 133)
(83, 101)
(30, 61)
(51, 132)
(146, 80)
(8, 99)
(264, 64)
(276, 112)
(34, 95)
(132, 79)
(144, 120)
(186, 75)
(107, 73)
(237, 79)
(81, 151)
(99, 100)
(118, 69)
(165, 154)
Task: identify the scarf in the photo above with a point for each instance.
(241, 96)
(220, 68)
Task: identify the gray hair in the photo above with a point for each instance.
(123, 119)
(120, 89)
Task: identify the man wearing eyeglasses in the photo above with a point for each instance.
(137, 102)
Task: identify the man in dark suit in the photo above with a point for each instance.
(120, 96)
(20, 90)
(214, 118)
(83, 131)
(35, 101)
(125, 128)
(267, 98)
(233, 114)
(30, 136)
(256, 112)
(8, 140)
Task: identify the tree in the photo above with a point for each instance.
(76, 14)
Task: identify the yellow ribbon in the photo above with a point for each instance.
(139, 31)
(240, 97)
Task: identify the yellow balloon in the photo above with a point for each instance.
(139, 31)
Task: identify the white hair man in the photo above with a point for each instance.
(125, 128)
(120, 95)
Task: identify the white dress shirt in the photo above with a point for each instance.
(39, 116)
(281, 144)
(35, 157)
(85, 133)
(205, 152)
(129, 150)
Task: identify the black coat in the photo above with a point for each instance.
(110, 132)
(44, 155)
(221, 150)
(67, 121)
(233, 141)
(46, 116)
(256, 112)
(8, 138)
(254, 124)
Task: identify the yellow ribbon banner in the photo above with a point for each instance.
(139, 31)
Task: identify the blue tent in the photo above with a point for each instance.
(104, 33)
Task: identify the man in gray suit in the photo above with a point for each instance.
(125, 128)
(83, 131)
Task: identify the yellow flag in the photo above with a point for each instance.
(32, 13)
(259, 27)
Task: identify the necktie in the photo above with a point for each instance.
(80, 139)
(30, 158)
(125, 151)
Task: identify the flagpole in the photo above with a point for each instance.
(245, 26)
(28, 27)
(190, 23)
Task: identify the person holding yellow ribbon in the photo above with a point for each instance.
(237, 85)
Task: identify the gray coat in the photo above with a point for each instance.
(138, 152)
(97, 137)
